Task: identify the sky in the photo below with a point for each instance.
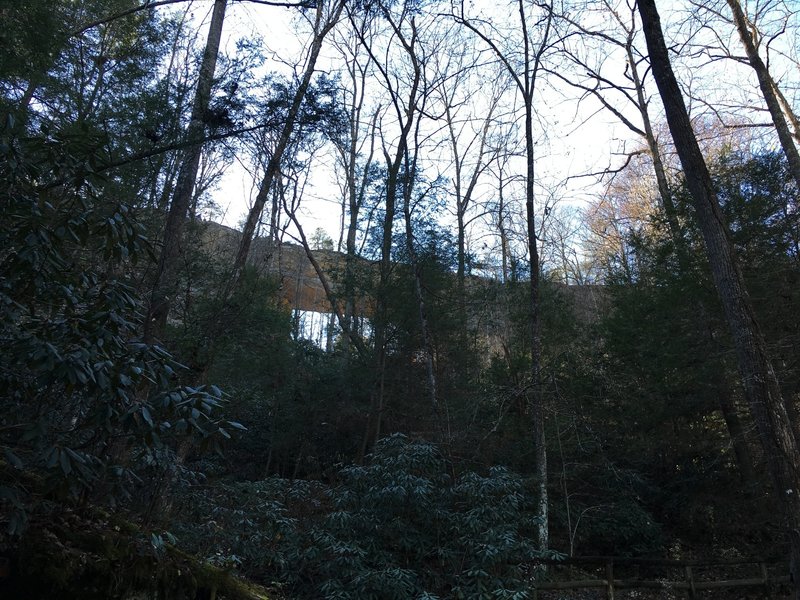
(577, 150)
(573, 139)
(277, 27)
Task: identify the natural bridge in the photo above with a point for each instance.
(302, 291)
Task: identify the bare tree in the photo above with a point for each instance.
(326, 14)
(762, 30)
(405, 88)
(291, 207)
(355, 150)
(622, 95)
(751, 40)
(621, 212)
(470, 122)
(626, 204)
(524, 71)
(501, 207)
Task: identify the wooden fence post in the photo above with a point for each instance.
(765, 577)
(610, 579)
(691, 592)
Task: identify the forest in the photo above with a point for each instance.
(399, 299)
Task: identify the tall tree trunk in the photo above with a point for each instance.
(725, 399)
(537, 400)
(427, 343)
(531, 69)
(406, 115)
(381, 313)
(758, 376)
(355, 185)
(409, 159)
(422, 312)
(504, 249)
(379, 321)
(165, 285)
(526, 86)
(464, 202)
(768, 86)
(735, 430)
(356, 194)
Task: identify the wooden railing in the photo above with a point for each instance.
(694, 576)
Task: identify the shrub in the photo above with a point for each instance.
(80, 393)
(400, 527)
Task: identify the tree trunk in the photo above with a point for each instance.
(461, 270)
(655, 152)
(424, 326)
(380, 317)
(788, 111)
(165, 284)
(322, 27)
(725, 400)
(767, 85)
(502, 229)
(736, 432)
(27, 96)
(356, 200)
(759, 381)
(537, 398)
(406, 115)
(337, 316)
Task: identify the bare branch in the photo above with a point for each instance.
(149, 4)
(609, 171)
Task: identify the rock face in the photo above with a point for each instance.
(299, 284)
(302, 290)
